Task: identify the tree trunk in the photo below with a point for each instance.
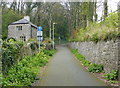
(105, 9)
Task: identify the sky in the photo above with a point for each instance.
(112, 6)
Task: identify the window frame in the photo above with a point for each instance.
(19, 28)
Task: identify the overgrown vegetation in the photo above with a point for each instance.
(24, 73)
(112, 76)
(91, 67)
(49, 52)
(96, 68)
(10, 54)
(105, 30)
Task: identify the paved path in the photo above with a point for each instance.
(65, 70)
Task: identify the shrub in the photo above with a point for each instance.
(24, 73)
(112, 76)
(10, 54)
(95, 68)
(32, 40)
(49, 52)
(11, 40)
(33, 46)
(105, 30)
(86, 63)
(74, 51)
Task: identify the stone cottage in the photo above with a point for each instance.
(22, 29)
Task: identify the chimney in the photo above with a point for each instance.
(27, 18)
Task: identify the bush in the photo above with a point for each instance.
(24, 73)
(10, 54)
(105, 30)
(95, 68)
(74, 51)
(49, 52)
(32, 40)
(11, 40)
(86, 63)
(112, 76)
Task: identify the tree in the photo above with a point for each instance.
(105, 9)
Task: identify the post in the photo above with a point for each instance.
(39, 36)
(39, 43)
(53, 35)
(50, 33)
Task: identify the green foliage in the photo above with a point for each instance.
(32, 40)
(49, 52)
(33, 46)
(10, 54)
(8, 16)
(80, 57)
(92, 67)
(95, 68)
(11, 40)
(112, 19)
(105, 30)
(24, 73)
(112, 76)
(74, 51)
(1, 77)
(86, 63)
(111, 81)
(95, 37)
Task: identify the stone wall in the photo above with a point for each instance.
(29, 49)
(106, 53)
(27, 30)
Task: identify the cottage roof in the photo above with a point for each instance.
(23, 21)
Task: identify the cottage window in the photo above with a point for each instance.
(23, 38)
(19, 27)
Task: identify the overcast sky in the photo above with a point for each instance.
(112, 6)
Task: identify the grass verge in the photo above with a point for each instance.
(109, 78)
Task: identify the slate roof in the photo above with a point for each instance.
(23, 21)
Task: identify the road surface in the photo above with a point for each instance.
(65, 70)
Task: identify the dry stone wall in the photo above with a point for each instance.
(106, 53)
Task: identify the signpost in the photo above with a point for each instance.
(39, 35)
(53, 35)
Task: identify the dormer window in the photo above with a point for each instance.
(19, 28)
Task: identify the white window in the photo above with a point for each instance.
(19, 28)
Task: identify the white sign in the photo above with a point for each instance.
(39, 33)
(39, 38)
